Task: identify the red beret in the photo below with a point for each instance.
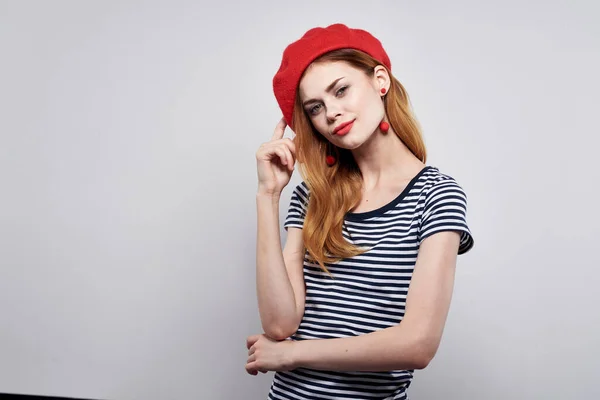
(317, 41)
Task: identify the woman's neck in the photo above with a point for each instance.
(384, 159)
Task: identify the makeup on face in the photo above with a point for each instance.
(343, 128)
(340, 91)
(327, 90)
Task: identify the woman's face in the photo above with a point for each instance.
(335, 93)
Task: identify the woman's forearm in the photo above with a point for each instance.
(276, 303)
(385, 350)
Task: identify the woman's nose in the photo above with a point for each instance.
(333, 112)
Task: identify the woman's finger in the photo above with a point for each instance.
(290, 145)
(292, 160)
(288, 156)
(281, 154)
(279, 129)
(287, 142)
(290, 150)
(250, 340)
(251, 369)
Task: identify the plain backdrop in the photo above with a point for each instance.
(128, 180)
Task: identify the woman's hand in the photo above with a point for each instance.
(266, 354)
(275, 161)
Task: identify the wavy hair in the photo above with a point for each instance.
(336, 190)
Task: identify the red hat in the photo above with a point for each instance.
(317, 41)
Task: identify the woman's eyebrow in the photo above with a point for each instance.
(329, 88)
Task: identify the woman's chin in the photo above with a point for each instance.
(349, 142)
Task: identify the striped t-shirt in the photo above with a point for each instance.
(368, 292)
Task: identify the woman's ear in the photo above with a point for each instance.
(382, 78)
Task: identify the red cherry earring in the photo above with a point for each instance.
(330, 158)
(384, 126)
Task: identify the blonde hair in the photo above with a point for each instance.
(336, 190)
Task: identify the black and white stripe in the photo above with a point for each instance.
(368, 292)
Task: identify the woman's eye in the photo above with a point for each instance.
(315, 109)
(341, 90)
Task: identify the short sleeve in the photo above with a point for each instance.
(297, 208)
(446, 210)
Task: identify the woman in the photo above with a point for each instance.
(359, 296)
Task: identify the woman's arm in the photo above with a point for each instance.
(411, 344)
(279, 279)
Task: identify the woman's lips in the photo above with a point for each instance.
(345, 129)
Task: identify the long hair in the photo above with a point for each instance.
(336, 190)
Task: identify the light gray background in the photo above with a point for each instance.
(127, 172)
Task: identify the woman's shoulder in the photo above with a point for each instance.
(301, 189)
(433, 174)
(300, 195)
(435, 180)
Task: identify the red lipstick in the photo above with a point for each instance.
(343, 128)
